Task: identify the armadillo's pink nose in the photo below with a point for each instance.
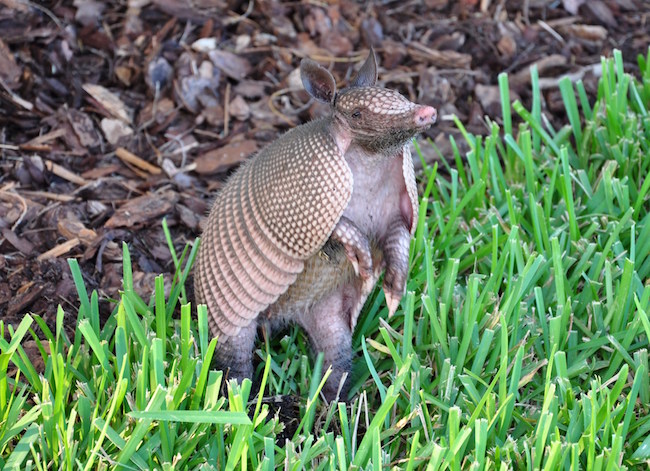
(425, 115)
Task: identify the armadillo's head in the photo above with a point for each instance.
(377, 119)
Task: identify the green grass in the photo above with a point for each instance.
(522, 342)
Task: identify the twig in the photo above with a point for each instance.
(64, 173)
(13, 194)
(277, 112)
(237, 18)
(226, 110)
(19, 101)
(59, 250)
(47, 12)
(133, 159)
(546, 27)
(48, 195)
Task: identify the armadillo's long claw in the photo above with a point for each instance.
(356, 245)
(355, 263)
(396, 255)
(392, 302)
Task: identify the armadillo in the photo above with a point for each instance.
(303, 230)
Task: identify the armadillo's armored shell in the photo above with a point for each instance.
(276, 211)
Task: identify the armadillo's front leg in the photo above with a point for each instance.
(356, 246)
(233, 354)
(396, 255)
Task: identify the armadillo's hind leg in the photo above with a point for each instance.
(328, 326)
(233, 354)
(356, 245)
(396, 254)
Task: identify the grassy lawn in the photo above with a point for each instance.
(522, 342)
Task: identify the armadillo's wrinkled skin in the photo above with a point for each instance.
(303, 230)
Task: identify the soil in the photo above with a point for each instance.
(117, 114)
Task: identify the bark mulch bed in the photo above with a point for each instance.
(117, 114)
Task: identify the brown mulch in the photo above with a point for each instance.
(115, 114)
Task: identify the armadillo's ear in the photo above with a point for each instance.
(317, 80)
(367, 75)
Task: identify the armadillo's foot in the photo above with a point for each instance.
(396, 254)
(356, 245)
(238, 373)
(234, 354)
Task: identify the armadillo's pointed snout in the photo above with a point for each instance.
(425, 116)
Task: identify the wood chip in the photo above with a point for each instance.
(83, 127)
(544, 64)
(64, 173)
(572, 5)
(9, 70)
(220, 160)
(239, 108)
(116, 131)
(59, 250)
(101, 172)
(22, 300)
(20, 243)
(587, 32)
(232, 65)
(45, 138)
(490, 99)
(43, 149)
(19, 5)
(75, 229)
(546, 83)
(109, 101)
(443, 59)
(131, 158)
(47, 195)
(602, 12)
(15, 98)
(142, 209)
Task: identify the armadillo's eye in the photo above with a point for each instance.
(356, 114)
